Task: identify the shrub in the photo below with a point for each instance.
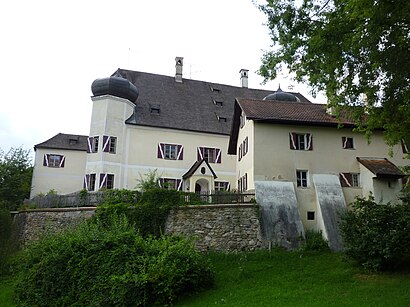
(8, 246)
(377, 235)
(314, 241)
(148, 215)
(96, 265)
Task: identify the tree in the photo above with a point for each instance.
(356, 51)
(15, 177)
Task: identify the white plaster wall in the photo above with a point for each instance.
(63, 180)
(246, 165)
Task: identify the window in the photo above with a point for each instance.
(219, 103)
(222, 119)
(93, 144)
(243, 149)
(310, 215)
(170, 184)
(404, 147)
(107, 181)
(243, 183)
(170, 151)
(109, 144)
(221, 186)
(89, 182)
(302, 179)
(73, 140)
(347, 142)
(209, 154)
(214, 89)
(53, 160)
(349, 179)
(300, 141)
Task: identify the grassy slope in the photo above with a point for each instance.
(280, 278)
(288, 279)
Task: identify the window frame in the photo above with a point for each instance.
(348, 142)
(350, 180)
(54, 160)
(300, 181)
(110, 144)
(210, 154)
(298, 140)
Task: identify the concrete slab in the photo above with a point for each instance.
(331, 203)
(280, 218)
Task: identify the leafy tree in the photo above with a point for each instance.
(15, 177)
(357, 51)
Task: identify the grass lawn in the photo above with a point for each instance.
(288, 279)
(299, 279)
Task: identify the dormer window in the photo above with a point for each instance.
(155, 109)
(73, 141)
(221, 118)
(216, 90)
(218, 102)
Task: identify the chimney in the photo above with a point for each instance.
(179, 62)
(244, 77)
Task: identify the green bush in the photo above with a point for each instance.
(7, 245)
(148, 215)
(96, 265)
(314, 241)
(377, 235)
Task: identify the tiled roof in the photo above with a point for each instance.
(191, 105)
(292, 112)
(65, 141)
(381, 167)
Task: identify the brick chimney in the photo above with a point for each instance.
(244, 77)
(179, 63)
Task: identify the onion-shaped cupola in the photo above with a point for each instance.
(115, 86)
(280, 95)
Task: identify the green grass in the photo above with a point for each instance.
(6, 291)
(295, 279)
(288, 279)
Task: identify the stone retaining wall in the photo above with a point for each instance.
(218, 227)
(214, 227)
(30, 224)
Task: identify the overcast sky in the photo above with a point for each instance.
(51, 52)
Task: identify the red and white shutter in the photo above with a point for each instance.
(180, 152)
(90, 142)
(45, 160)
(106, 143)
(227, 186)
(161, 182)
(200, 154)
(218, 156)
(160, 151)
(309, 141)
(62, 161)
(344, 142)
(86, 181)
(292, 140)
(345, 179)
(404, 147)
(103, 180)
(179, 184)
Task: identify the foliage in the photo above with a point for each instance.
(377, 236)
(5, 239)
(107, 264)
(314, 241)
(15, 177)
(148, 182)
(357, 51)
(148, 215)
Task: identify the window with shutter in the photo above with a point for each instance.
(347, 142)
(54, 160)
(349, 179)
(170, 183)
(109, 144)
(211, 155)
(300, 141)
(89, 182)
(221, 186)
(170, 151)
(92, 143)
(106, 181)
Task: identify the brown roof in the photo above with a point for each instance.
(292, 112)
(381, 167)
(65, 141)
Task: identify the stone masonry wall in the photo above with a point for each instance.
(214, 227)
(30, 224)
(218, 227)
